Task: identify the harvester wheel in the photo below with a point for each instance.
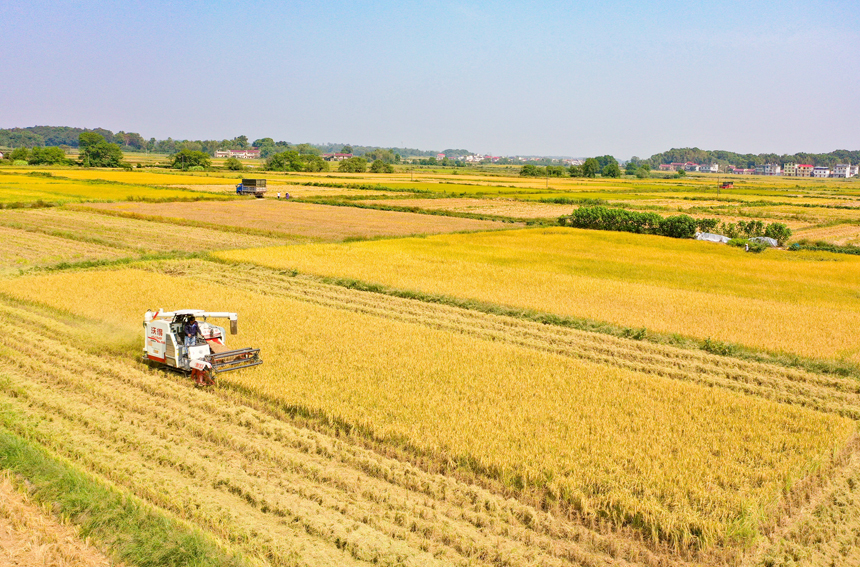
(202, 377)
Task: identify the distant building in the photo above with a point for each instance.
(665, 167)
(713, 168)
(789, 170)
(844, 170)
(253, 153)
(821, 171)
(690, 166)
(741, 171)
(335, 157)
(768, 169)
(805, 170)
(440, 156)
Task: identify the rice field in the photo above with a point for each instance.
(21, 251)
(460, 399)
(797, 303)
(29, 189)
(59, 226)
(841, 234)
(306, 220)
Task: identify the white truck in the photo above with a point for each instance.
(206, 353)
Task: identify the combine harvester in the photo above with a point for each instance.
(164, 344)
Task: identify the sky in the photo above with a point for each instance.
(619, 77)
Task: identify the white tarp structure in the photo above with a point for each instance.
(765, 240)
(711, 237)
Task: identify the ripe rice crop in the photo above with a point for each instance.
(797, 303)
(683, 463)
(20, 250)
(302, 219)
(27, 189)
(139, 236)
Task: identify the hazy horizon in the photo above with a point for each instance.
(562, 79)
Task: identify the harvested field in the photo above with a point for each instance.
(500, 207)
(27, 189)
(789, 302)
(20, 250)
(31, 537)
(841, 235)
(302, 219)
(458, 399)
(299, 191)
(139, 236)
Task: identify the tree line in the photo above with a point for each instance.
(695, 155)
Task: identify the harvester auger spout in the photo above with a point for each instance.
(177, 340)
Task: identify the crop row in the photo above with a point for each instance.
(786, 302)
(276, 492)
(683, 463)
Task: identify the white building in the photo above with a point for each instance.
(821, 171)
(713, 168)
(845, 170)
(768, 169)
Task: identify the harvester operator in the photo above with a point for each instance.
(191, 330)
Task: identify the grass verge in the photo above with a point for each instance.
(132, 532)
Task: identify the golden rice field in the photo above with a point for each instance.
(294, 219)
(799, 303)
(27, 189)
(500, 207)
(69, 229)
(276, 492)
(634, 448)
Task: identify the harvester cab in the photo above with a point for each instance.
(203, 355)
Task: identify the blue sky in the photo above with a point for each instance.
(558, 78)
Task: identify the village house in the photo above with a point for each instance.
(805, 170)
(768, 169)
(844, 170)
(335, 156)
(789, 170)
(253, 153)
(821, 171)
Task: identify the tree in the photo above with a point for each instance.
(643, 173)
(576, 171)
(778, 231)
(47, 156)
(307, 149)
(347, 149)
(314, 163)
(680, 226)
(241, 142)
(630, 168)
(233, 164)
(185, 158)
(20, 154)
(611, 170)
(87, 139)
(101, 154)
(284, 161)
(529, 170)
(590, 167)
(379, 166)
(353, 165)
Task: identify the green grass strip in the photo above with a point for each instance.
(132, 531)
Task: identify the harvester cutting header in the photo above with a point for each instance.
(177, 340)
